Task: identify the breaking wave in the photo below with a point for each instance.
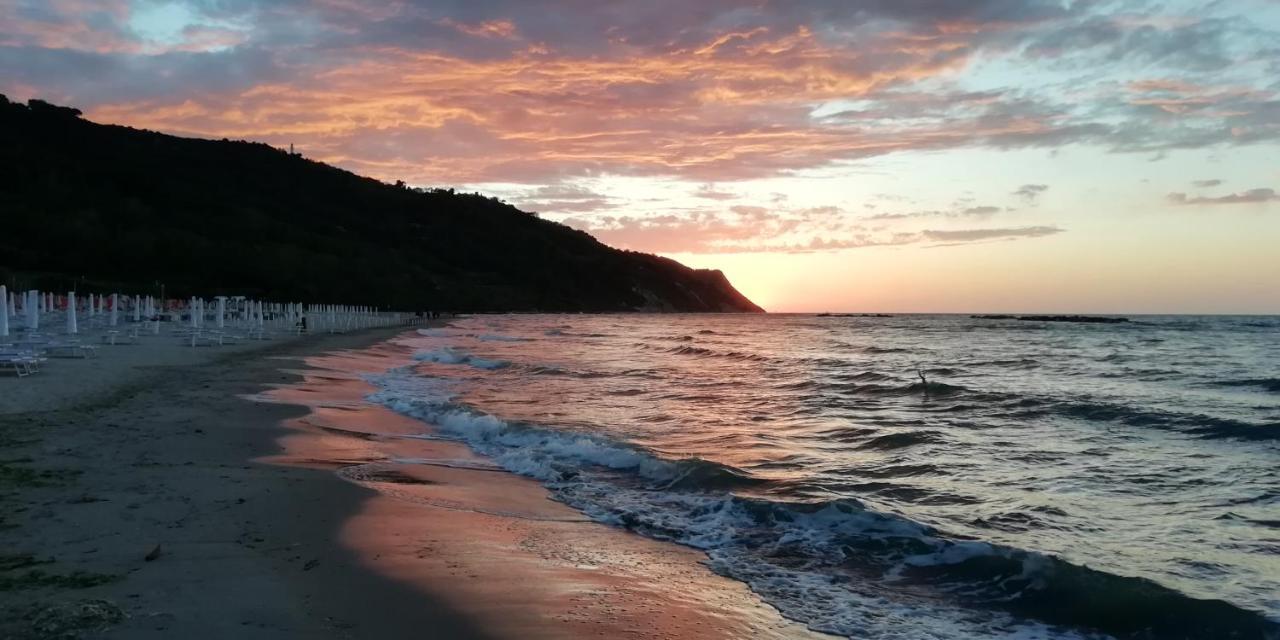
(838, 565)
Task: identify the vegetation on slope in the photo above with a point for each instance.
(96, 207)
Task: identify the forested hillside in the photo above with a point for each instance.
(95, 206)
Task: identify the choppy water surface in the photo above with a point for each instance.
(1043, 480)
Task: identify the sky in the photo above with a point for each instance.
(1092, 156)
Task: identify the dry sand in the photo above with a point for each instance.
(251, 492)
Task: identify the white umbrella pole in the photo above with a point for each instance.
(115, 309)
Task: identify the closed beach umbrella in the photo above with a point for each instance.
(71, 313)
(4, 311)
(222, 310)
(115, 308)
(33, 312)
(137, 309)
(194, 309)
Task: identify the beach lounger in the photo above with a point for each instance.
(54, 348)
(118, 337)
(17, 364)
(199, 339)
(22, 363)
(70, 350)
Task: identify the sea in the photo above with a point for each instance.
(908, 476)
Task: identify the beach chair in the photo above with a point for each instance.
(70, 350)
(64, 348)
(15, 363)
(201, 339)
(21, 363)
(114, 337)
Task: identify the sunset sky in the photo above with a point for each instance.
(863, 155)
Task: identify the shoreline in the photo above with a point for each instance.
(254, 542)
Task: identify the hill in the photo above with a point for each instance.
(97, 207)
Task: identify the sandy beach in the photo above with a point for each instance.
(251, 492)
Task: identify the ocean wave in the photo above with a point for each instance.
(873, 349)
(688, 350)
(1203, 426)
(837, 565)
(490, 337)
(901, 440)
(1270, 385)
(921, 389)
(862, 376)
(453, 356)
(439, 332)
(1018, 363)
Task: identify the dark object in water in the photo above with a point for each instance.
(855, 315)
(1083, 319)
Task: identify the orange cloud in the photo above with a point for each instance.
(487, 29)
(67, 24)
(736, 107)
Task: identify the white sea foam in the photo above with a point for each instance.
(790, 555)
(439, 332)
(448, 355)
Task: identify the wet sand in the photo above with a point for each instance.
(272, 493)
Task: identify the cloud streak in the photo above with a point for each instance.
(756, 229)
(1029, 193)
(1252, 196)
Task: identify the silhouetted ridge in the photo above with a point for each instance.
(93, 207)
